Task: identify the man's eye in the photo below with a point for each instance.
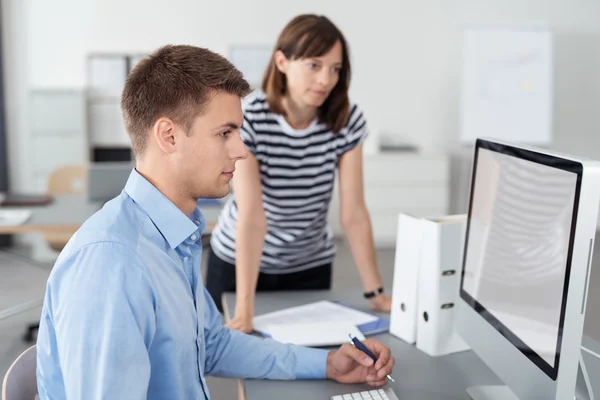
(225, 133)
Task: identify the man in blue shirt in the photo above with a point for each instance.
(126, 315)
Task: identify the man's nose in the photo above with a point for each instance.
(239, 151)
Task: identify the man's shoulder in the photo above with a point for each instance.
(112, 231)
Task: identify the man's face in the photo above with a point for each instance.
(207, 154)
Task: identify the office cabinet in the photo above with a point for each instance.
(58, 126)
(411, 183)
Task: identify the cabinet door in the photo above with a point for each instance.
(401, 169)
(58, 133)
(106, 125)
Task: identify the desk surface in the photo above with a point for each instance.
(66, 213)
(418, 376)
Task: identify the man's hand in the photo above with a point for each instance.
(350, 365)
(381, 303)
(242, 321)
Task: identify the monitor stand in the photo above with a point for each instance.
(491, 393)
(583, 390)
(589, 363)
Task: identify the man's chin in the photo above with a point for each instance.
(215, 194)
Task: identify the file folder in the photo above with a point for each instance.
(442, 245)
(403, 316)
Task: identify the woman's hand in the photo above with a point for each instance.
(242, 320)
(381, 303)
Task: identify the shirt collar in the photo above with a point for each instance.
(172, 223)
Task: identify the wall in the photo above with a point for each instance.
(407, 54)
(16, 77)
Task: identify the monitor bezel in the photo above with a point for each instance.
(550, 161)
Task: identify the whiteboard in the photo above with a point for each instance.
(506, 90)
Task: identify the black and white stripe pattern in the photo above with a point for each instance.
(297, 173)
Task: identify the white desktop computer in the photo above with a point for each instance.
(527, 258)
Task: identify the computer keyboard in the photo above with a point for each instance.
(380, 394)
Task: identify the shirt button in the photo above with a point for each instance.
(197, 222)
(185, 259)
(194, 237)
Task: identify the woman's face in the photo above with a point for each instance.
(311, 80)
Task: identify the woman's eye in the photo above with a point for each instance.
(312, 65)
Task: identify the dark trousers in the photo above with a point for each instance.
(220, 277)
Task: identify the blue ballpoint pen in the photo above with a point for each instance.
(358, 344)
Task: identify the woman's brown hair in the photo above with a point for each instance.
(308, 36)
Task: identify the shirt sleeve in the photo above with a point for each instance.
(99, 318)
(356, 129)
(232, 354)
(248, 135)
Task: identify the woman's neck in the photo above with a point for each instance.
(299, 117)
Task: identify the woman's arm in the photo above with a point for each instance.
(251, 229)
(356, 223)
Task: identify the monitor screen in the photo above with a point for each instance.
(518, 246)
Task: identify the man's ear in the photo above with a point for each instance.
(163, 133)
(281, 62)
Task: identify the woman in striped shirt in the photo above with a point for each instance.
(273, 232)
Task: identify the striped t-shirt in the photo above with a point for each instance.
(297, 174)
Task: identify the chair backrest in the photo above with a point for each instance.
(20, 381)
(71, 179)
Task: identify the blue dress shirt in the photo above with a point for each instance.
(126, 314)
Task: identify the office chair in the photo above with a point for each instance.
(66, 180)
(71, 179)
(20, 381)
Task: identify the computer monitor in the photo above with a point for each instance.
(528, 247)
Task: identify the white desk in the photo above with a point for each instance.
(418, 376)
(67, 213)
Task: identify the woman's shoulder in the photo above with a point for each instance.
(355, 112)
(354, 108)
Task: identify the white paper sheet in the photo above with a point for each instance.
(319, 312)
(315, 334)
(10, 217)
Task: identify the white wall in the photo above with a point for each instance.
(407, 54)
(14, 43)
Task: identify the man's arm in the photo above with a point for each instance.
(232, 354)
(99, 318)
